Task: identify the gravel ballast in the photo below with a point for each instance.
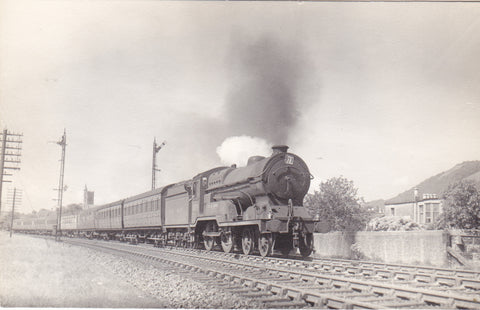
(39, 272)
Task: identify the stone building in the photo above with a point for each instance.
(422, 210)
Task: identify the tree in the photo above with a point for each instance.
(337, 203)
(462, 205)
(73, 208)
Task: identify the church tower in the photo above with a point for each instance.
(88, 198)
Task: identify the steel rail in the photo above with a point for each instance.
(461, 273)
(428, 296)
(390, 292)
(296, 296)
(441, 276)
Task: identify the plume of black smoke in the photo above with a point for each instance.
(264, 99)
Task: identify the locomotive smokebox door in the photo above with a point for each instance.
(287, 177)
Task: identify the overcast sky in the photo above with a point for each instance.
(385, 94)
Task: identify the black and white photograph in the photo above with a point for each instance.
(239, 154)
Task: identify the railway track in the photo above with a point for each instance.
(468, 279)
(443, 277)
(287, 283)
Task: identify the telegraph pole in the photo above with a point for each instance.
(154, 161)
(63, 144)
(11, 152)
(14, 199)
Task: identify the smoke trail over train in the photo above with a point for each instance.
(263, 105)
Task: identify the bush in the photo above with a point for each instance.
(392, 223)
(357, 252)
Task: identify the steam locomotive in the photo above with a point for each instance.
(256, 207)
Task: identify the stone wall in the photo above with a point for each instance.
(409, 247)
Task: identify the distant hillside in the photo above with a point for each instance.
(469, 170)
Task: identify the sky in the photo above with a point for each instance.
(384, 94)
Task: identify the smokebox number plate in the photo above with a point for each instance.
(289, 159)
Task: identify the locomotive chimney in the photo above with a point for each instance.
(279, 149)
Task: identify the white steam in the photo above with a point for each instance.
(237, 150)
